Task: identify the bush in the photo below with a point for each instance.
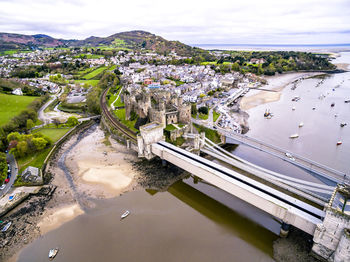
(204, 110)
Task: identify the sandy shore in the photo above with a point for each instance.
(99, 167)
(276, 84)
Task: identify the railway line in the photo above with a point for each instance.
(113, 121)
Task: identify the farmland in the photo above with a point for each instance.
(12, 105)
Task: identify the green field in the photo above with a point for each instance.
(89, 82)
(12, 105)
(120, 114)
(53, 133)
(215, 115)
(95, 72)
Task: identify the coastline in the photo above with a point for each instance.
(276, 84)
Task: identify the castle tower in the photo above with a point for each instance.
(184, 113)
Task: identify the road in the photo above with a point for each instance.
(14, 172)
(41, 114)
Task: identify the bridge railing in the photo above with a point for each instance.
(307, 163)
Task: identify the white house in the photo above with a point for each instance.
(17, 92)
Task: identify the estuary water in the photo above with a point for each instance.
(194, 221)
(321, 131)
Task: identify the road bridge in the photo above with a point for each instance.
(290, 210)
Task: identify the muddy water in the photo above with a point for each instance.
(183, 224)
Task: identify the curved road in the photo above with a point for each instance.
(14, 172)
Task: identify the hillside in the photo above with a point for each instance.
(134, 40)
(141, 39)
(19, 41)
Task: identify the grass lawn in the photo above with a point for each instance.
(89, 82)
(203, 116)
(12, 105)
(113, 96)
(120, 114)
(53, 133)
(95, 72)
(170, 127)
(215, 115)
(209, 133)
(37, 159)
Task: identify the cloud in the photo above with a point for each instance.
(221, 21)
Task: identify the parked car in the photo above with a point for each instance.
(2, 187)
(7, 180)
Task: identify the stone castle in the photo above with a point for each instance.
(158, 106)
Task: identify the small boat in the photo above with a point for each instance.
(52, 253)
(296, 98)
(336, 115)
(343, 124)
(347, 101)
(301, 124)
(333, 104)
(4, 229)
(313, 108)
(125, 214)
(339, 143)
(293, 108)
(294, 136)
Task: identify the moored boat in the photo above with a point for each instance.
(339, 143)
(294, 136)
(125, 214)
(343, 124)
(301, 124)
(4, 229)
(52, 253)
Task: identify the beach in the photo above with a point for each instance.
(275, 84)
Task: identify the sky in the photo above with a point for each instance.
(189, 21)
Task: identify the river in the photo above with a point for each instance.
(194, 221)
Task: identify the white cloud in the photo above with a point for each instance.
(221, 21)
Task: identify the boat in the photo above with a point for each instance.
(333, 104)
(125, 214)
(339, 143)
(343, 124)
(4, 229)
(296, 98)
(313, 108)
(52, 253)
(293, 108)
(347, 101)
(301, 124)
(294, 136)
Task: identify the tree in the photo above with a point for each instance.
(72, 121)
(13, 136)
(203, 110)
(194, 109)
(56, 122)
(21, 148)
(39, 143)
(30, 124)
(235, 67)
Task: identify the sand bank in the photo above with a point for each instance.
(58, 217)
(276, 84)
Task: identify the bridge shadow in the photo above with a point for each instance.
(242, 227)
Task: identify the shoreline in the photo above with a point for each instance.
(275, 83)
(47, 211)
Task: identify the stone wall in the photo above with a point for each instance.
(328, 235)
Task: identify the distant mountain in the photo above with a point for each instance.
(18, 41)
(134, 40)
(140, 39)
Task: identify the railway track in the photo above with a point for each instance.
(114, 122)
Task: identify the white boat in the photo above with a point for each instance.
(293, 108)
(339, 143)
(125, 214)
(301, 124)
(52, 253)
(294, 136)
(4, 229)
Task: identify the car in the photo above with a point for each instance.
(7, 180)
(290, 156)
(2, 187)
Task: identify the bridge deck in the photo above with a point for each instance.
(281, 206)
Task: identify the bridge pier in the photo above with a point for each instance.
(164, 163)
(284, 229)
